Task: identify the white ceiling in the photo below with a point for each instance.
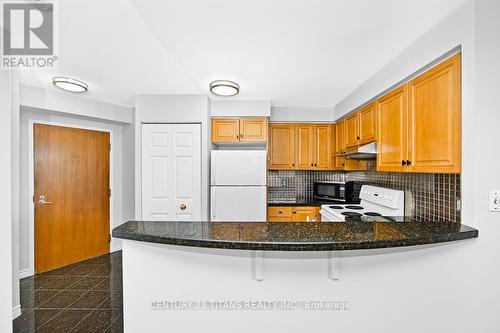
(293, 52)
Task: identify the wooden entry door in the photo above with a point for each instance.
(71, 197)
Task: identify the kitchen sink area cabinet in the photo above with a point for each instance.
(303, 213)
(293, 213)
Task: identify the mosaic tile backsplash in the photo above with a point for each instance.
(435, 196)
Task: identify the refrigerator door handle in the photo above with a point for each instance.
(212, 170)
(212, 206)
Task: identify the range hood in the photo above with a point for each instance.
(366, 152)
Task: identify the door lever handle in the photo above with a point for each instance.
(41, 200)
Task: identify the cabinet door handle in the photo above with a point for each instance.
(237, 136)
(358, 137)
(403, 162)
(408, 162)
(312, 164)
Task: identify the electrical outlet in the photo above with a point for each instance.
(494, 200)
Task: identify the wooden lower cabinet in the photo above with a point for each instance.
(293, 213)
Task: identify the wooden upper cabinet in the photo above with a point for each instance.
(340, 136)
(281, 147)
(367, 124)
(225, 130)
(434, 118)
(304, 146)
(323, 148)
(253, 129)
(234, 130)
(352, 131)
(392, 130)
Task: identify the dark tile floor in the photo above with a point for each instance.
(83, 297)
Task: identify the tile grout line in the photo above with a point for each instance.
(97, 307)
(64, 309)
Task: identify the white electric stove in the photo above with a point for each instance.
(376, 202)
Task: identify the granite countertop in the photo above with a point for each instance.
(301, 236)
(296, 203)
(308, 202)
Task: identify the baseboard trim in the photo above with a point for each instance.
(25, 273)
(116, 245)
(16, 311)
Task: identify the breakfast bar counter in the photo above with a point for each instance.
(299, 236)
(256, 277)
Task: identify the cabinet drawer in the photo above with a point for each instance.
(280, 212)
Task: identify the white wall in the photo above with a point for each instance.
(6, 273)
(291, 114)
(174, 109)
(454, 30)
(74, 104)
(15, 113)
(241, 108)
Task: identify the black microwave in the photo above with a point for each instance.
(342, 192)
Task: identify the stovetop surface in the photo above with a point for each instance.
(364, 209)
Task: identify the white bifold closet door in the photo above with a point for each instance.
(171, 172)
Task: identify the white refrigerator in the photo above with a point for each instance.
(238, 185)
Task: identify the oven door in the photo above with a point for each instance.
(329, 191)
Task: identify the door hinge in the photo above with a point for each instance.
(109, 238)
(109, 191)
(110, 147)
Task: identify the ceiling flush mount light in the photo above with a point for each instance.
(70, 85)
(224, 88)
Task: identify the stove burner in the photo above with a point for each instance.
(372, 214)
(336, 207)
(354, 207)
(351, 214)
